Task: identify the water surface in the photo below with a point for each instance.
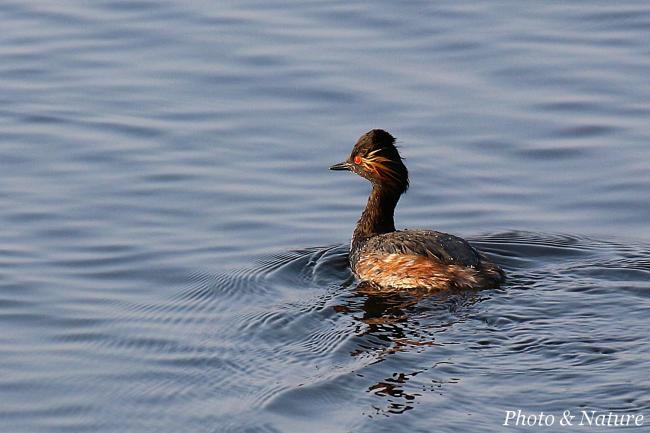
(173, 248)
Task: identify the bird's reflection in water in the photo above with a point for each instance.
(389, 323)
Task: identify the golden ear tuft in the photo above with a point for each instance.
(380, 165)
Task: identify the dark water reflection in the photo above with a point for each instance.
(165, 196)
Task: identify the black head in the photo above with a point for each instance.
(376, 158)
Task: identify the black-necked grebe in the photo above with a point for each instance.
(405, 259)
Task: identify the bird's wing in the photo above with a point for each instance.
(443, 247)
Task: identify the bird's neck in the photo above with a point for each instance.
(377, 217)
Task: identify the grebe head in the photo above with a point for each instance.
(376, 158)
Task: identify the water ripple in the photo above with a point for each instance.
(150, 151)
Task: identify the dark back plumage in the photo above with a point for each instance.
(443, 247)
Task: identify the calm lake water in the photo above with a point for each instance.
(173, 247)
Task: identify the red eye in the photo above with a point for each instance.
(357, 159)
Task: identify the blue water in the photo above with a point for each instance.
(173, 247)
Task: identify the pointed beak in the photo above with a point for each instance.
(341, 166)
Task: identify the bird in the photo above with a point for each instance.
(389, 259)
